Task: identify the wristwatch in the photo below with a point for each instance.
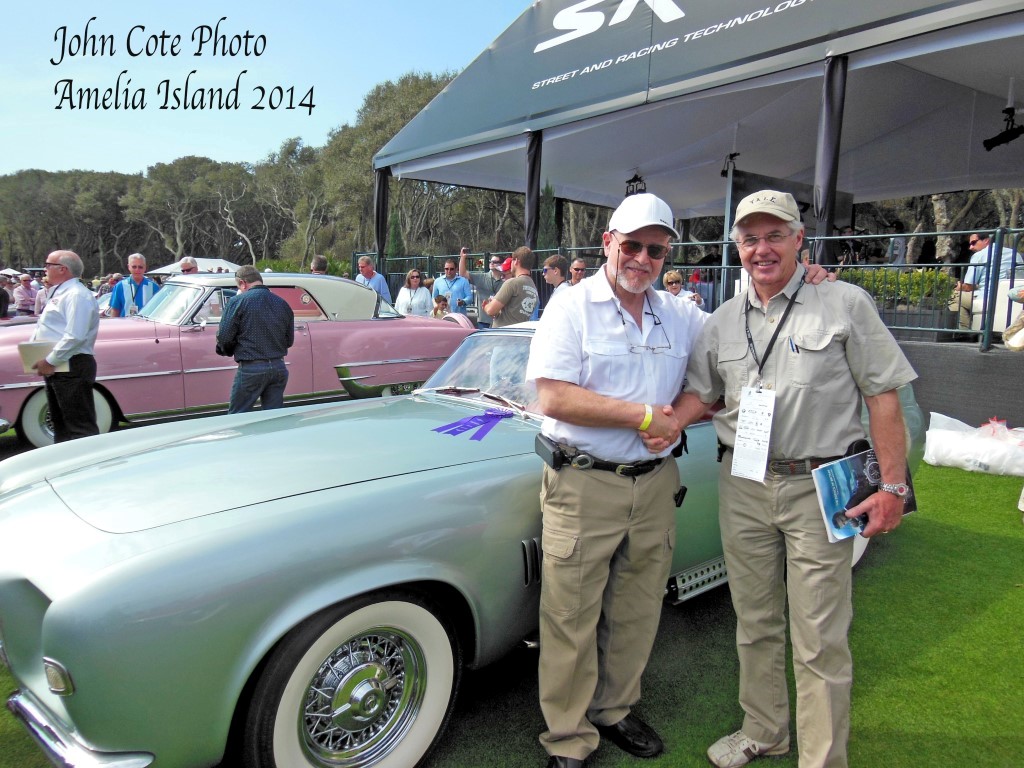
(900, 489)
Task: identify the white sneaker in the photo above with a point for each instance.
(738, 749)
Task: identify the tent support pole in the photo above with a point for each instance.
(533, 157)
(826, 166)
(380, 214)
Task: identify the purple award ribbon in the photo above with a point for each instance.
(483, 423)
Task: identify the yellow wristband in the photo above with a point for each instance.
(648, 418)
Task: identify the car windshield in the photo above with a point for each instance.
(489, 363)
(170, 303)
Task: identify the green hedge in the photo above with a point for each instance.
(928, 288)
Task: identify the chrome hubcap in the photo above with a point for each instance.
(363, 699)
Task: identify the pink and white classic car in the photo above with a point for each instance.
(161, 364)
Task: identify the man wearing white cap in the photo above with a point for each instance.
(608, 358)
(803, 354)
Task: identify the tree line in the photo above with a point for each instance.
(302, 200)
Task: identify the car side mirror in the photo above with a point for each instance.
(202, 324)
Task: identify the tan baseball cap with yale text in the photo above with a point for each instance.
(781, 205)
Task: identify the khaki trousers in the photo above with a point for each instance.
(776, 547)
(607, 546)
(963, 304)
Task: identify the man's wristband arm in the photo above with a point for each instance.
(648, 417)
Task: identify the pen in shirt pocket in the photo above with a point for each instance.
(793, 346)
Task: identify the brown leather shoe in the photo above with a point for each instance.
(634, 736)
(558, 761)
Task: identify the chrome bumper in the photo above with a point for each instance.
(60, 747)
(4, 425)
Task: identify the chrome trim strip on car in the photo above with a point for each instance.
(218, 368)
(27, 385)
(396, 361)
(137, 375)
(60, 747)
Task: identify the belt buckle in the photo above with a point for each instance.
(582, 461)
(625, 470)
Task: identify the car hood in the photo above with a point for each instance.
(155, 476)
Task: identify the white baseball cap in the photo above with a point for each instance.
(639, 211)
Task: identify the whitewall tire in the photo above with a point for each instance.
(370, 682)
(36, 429)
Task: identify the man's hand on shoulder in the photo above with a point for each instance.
(817, 273)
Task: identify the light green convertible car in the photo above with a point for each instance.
(300, 587)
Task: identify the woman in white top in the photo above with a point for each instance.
(673, 282)
(413, 298)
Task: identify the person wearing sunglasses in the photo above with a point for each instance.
(486, 283)
(804, 356)
(188, 265)
(969, 295)
(673, 282)
(577, 271)
(555, 268)
(608, 357)
(413, 298)
(454, 287)
(24, 296)
(70, 320)
(134, 292)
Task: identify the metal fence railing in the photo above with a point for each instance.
(916, 301)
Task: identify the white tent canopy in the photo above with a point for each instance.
(927, 82)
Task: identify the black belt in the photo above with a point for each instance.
(635, 469)
(269, 360)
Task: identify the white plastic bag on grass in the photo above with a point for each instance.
(990, 448)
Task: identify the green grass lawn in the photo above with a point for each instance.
(938, 644)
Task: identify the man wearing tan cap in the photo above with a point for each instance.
(804, 354)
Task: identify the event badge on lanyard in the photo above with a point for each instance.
(753, 432)
(757, 408)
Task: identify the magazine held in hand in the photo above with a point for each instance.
(845, 483)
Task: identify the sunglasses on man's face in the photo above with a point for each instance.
(673, 282)
(579, 269)
(634, 248)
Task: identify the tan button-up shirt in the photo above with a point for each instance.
(832, 349)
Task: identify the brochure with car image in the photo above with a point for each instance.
(845, 483)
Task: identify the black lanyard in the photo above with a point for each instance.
(771, 343)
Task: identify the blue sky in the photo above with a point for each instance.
(339, 48)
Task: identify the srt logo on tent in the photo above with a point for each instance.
(579, 21)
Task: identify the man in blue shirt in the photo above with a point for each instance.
(455, 287)
(970, 292)
(369, 276)
(134, 292)
(257, 329)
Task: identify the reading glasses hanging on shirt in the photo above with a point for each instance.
(641, 348)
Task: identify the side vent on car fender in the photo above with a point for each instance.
(531, 562)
